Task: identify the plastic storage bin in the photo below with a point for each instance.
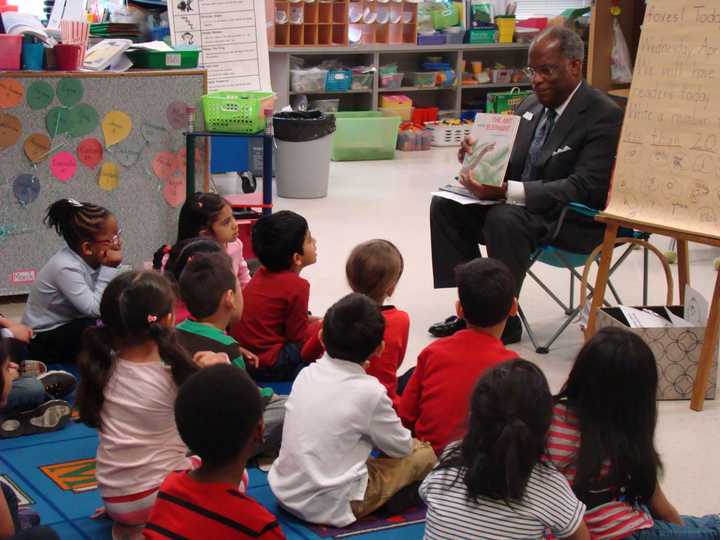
(236, 112)
(338, 80)
(448, 135)
(482, 35)
(410, 140)
(454, 37)
(424, 79)
(405, 113)
(391, 80)
(164, 59)
(431, 39)
(325, 105)
(364, 135)
(308, 80)
(362, 81)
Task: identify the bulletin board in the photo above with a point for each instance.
(667, 172)
(113, 139)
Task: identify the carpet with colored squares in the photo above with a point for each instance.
(54, 474)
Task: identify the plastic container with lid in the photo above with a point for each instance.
(308, 80)
(364, 135)
(424, 79)
(391, 80)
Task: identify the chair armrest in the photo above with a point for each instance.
(577, 208)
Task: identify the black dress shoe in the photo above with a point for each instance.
(447, 327)
(513, 331)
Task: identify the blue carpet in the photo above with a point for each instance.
(53, 474)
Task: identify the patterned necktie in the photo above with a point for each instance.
(542, 132)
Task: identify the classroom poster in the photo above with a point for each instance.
(232, 37)
(667, 172)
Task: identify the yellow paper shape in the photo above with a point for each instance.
(116, 126)
(109, 176)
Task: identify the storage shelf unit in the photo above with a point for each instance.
(408, 58)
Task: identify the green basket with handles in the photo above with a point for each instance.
(236, 112)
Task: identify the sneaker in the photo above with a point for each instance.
(50, 416)
(28, 518)
(58, 384)
(32, 368)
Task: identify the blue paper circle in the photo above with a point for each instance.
(26, 188)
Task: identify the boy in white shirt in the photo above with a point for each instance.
(335, 415)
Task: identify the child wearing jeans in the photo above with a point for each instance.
(275, 323)
(65, 297)
(492, 484)
(336, 414)
(435, 402)
(130, 370)
(219, 416)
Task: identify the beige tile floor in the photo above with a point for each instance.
(389, 199)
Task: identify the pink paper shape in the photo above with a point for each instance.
(90, 153)
(63, 166)
(174, 189)
(177, 114)
(164, 164)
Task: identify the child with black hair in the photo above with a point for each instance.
(374, 269)
(210, 216)
(492, 484)
(434, 404)
(10, 519)
(602, 438)
(130, 369)
(218, 413)
(65, 297)
(213, 298)
(336, 414)
(275, 324)
(180, 254)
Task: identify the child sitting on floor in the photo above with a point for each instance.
(336, 413)
(492, 484)
(130, 369)
(374, 269)
(210, 216)
(275, 323)
(435, 402)
(214, 299)
(602, 438)
(65, 297)
(10, 522)
(219, 416)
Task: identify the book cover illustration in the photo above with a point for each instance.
(494, 136)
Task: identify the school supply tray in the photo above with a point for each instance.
(447, 134)
(177, 59)
(236, 112)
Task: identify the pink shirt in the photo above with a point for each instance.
(139, 442)
(240, 267)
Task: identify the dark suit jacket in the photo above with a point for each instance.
(574, 165)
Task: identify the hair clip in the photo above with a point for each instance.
(199, 204)
(151, 319)
(75, 203)
(166, 249)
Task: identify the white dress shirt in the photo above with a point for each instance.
(515, 189)
(335, 414)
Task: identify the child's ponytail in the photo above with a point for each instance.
(172, 352)
(75, 221)
(510, 413)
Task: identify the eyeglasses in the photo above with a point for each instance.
(114, 241)
(547, 71)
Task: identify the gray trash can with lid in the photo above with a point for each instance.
(304, 144)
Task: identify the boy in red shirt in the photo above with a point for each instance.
(275, 322)
(218, 412)
(435, 402)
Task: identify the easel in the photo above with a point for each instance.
(710, 339)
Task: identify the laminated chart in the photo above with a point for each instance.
(232, 37)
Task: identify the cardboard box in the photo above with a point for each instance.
(676, 350)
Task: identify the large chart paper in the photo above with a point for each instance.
(232, 36)
(668, 166)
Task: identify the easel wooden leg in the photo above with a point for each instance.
(707, 352)
(683, 268)
(611, 231)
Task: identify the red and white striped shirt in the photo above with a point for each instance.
(612, 520)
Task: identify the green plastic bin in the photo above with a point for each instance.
(177, 59)
(364, 135)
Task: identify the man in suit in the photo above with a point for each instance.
(564, 152)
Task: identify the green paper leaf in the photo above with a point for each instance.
(70, 92)
(39, 95)
(83, 120)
